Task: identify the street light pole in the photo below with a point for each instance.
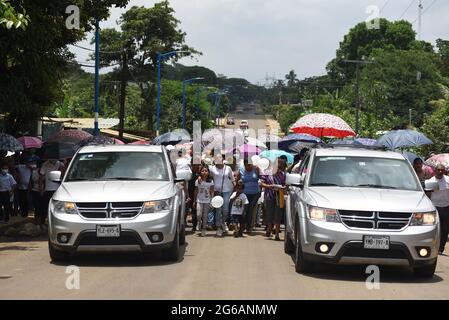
(160, 58)
(184, 83)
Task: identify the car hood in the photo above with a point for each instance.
(367, 199)
(117, 191)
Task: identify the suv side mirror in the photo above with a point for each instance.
(55, 176)
(183, 175)
(295, 180)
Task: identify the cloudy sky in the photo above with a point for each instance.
(255, 38)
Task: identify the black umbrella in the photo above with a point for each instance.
(96, 140)
(57, 150)
(173, 138)
(9, 143)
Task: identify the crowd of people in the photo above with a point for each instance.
(240, 185)
(25, 185)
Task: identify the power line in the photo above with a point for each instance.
(406, 10)
(430, 6)
(383, 7)
(91, 50)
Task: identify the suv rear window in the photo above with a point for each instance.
(118, 166)
(363, 172)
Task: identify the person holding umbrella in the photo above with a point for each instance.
(49, 186)
(440, 199)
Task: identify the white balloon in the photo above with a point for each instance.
(217, 202)
(263, 164)
(255, 159)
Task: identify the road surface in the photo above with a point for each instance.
(212, 268)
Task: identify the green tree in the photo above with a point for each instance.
(443, 53)
(291, 78)
(32, 63)
(10, 17)
(144, 33)
(361, 42)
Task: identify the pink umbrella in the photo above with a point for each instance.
(30, 142)
(142, 142)
(428, 171)
(323, 125)
(438, 159)
(70, 136)
(117, 141)
(249, 149)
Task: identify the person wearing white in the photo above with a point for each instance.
(224, 185)
(440, 199)
(7, 185)
(49, 186)
(240, 201)
(204, 191)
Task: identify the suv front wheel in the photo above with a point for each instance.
(301, 264)
(174, 252)
(426, 271)
(57, 255)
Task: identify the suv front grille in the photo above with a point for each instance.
(375, 220)
(109, 210)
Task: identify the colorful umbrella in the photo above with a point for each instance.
(297, 147)
(9, 143)
(438, 159)
(70, 136)
(30, 142)
(402, 139)
(289, 140)
(249, 149)
(141, 142)
(275, 154)
(323, 125)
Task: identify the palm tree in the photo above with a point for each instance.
(292, 79)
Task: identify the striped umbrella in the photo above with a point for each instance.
(30, 142)
(323, 125)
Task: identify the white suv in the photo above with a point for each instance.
(360, 206)
(118, 198)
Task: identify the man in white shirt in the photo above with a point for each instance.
(440, 199)
(7, 185)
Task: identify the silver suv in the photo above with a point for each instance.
(117, 198)
(360, 206)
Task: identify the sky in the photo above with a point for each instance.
(256, 39)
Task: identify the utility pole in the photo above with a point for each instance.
(123, 84)
(97, 76)
(358, 63)
(420, 7)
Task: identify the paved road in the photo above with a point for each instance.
(246, 268)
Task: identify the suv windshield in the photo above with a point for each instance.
(118, 166)
(362, 172)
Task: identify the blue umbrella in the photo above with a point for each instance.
(274, 154)
(411, 157)
(285, 142)
(402, 139)
(367, 141)
(347, 141)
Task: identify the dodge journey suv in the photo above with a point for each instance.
(360, 206)
(117, 198)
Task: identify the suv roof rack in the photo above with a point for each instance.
(352, 146)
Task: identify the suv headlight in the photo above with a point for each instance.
(158, 206)
(322, 214)
(63, 207)
(424, 219)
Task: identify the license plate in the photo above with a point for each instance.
(108, 231)
(376, 242)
